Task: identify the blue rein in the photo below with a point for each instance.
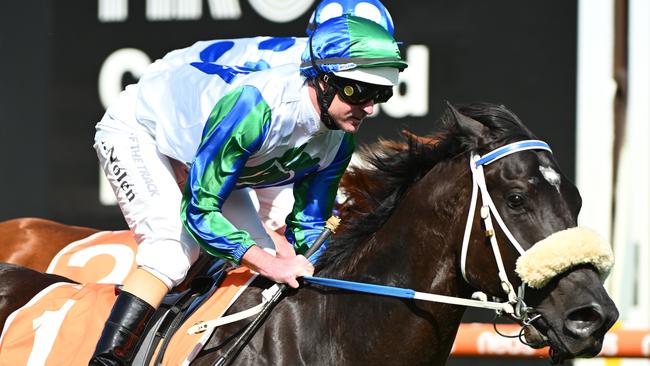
(362, 287)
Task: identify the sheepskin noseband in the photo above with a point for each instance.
(562, 251)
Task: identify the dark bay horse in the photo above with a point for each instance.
(412, 236)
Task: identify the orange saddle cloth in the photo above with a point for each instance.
(104, 257)
(61, 325)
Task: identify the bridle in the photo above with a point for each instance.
(521, 312)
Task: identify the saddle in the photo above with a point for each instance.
(62, 324)
(176, 307)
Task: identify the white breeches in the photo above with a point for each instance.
(148, 195)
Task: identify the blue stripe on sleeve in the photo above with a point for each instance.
(210, 146)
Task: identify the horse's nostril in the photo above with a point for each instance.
(588, 314)
(584, 321)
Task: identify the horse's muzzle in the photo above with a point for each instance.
(581, 334)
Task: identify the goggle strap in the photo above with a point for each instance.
(324, 98)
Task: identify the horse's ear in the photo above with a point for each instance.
(469, 127)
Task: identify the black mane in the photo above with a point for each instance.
(396, 166)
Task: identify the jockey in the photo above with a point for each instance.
(243, 55)
(162, 119)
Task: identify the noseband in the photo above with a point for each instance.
(476, 163)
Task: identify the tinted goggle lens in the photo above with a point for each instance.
(357, 92)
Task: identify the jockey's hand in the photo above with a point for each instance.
(285, 269)
(288, 269)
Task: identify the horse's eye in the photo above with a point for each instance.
(516, 200)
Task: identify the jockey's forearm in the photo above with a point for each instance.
(257, 259)
(282, 246)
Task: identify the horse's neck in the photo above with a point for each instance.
(412, 331)
(416, 248)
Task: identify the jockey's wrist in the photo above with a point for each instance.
(258, 260)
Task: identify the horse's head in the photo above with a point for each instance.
(534, 240)
(479, 206)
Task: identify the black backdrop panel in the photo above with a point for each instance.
(24, 125)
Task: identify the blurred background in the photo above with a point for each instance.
(575, 71)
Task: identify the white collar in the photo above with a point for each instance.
(308, 113)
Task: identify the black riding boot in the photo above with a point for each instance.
(122, 331)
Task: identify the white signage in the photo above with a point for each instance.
(279, 11)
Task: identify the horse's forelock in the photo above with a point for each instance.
(502, 125)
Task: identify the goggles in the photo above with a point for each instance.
(358, 92)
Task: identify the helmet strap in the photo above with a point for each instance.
(324, 97)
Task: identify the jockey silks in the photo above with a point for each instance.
(265, 133)
(172, 103)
